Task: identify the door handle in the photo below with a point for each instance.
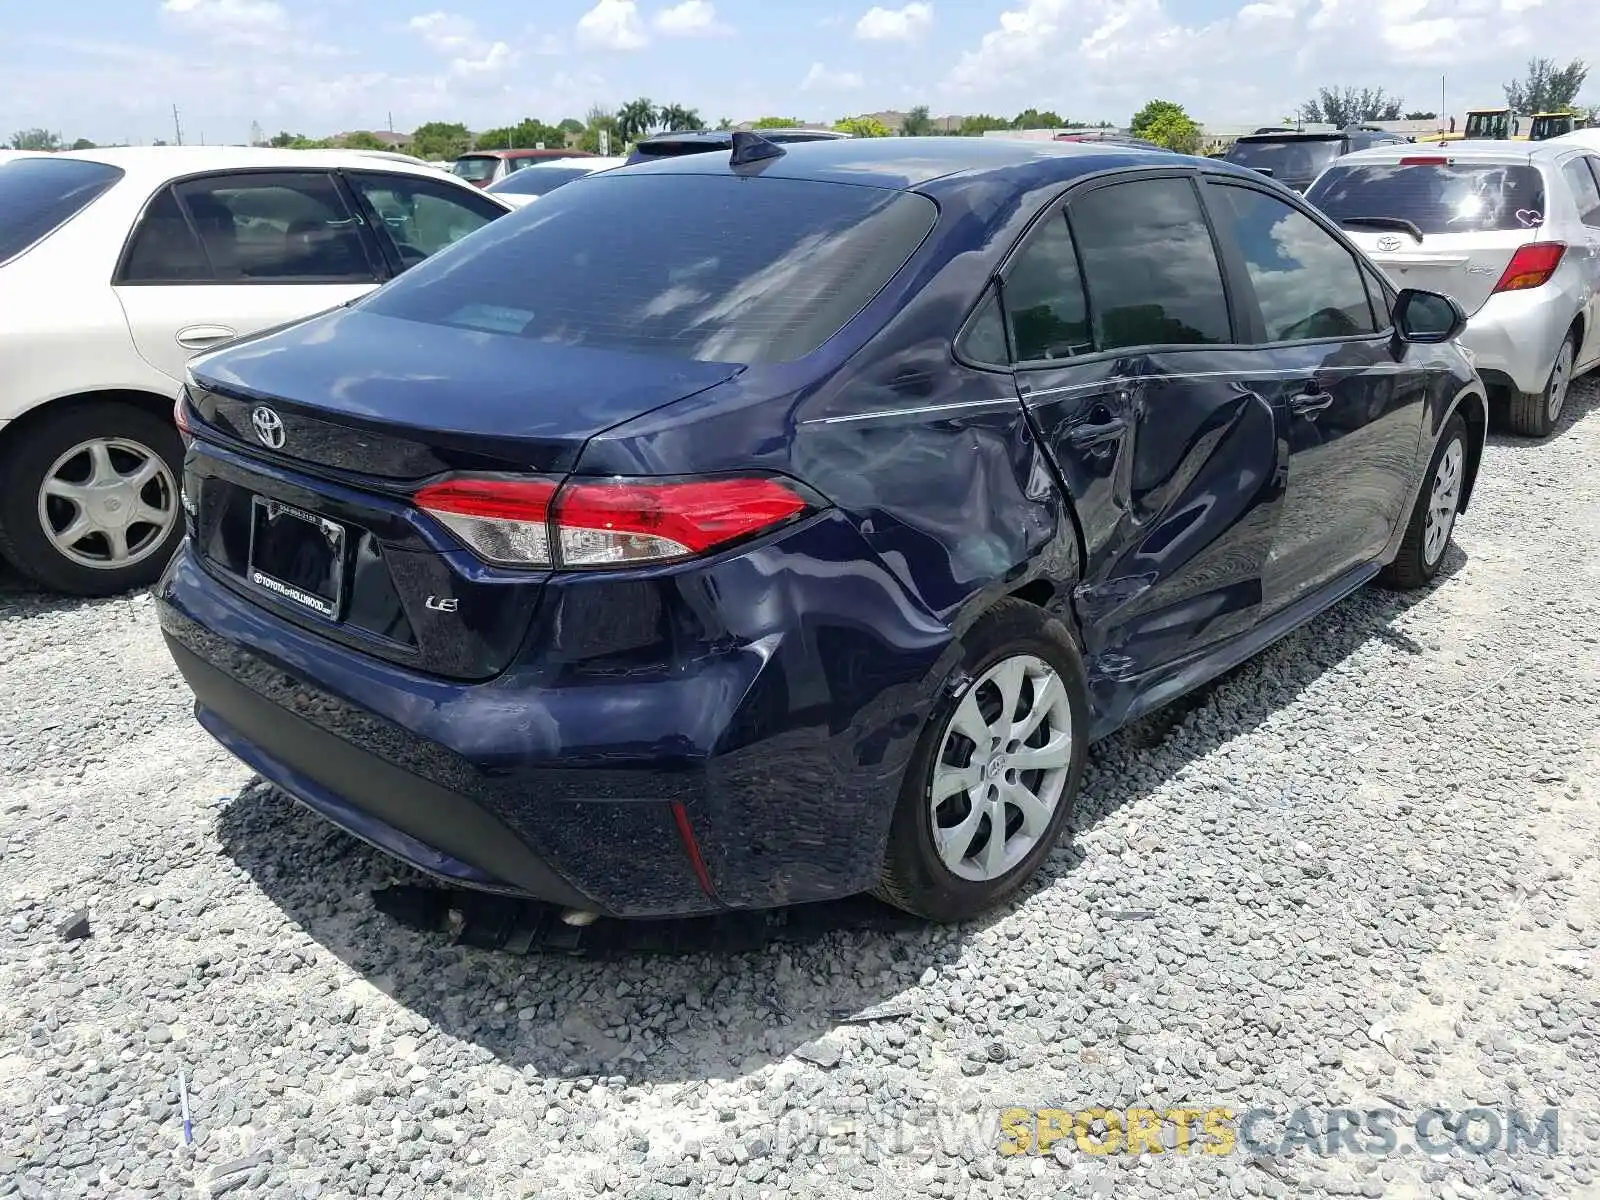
(1085, 437)
(1309, 404)
(198, 337)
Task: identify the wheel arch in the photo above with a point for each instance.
(1474, 410)
(153, 403)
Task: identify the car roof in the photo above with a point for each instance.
(156, 164)
(904, 163)
(558, 152)
(1488, 151)
(718, 136)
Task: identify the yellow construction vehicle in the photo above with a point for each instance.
(1551, 125)
(1492, 124)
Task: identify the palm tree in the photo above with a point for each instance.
(675, 117)
(724, 123)
(636, 118)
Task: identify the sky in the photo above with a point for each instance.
(111, 70)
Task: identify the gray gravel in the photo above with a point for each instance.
(1362, 871)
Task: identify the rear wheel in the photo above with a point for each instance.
(91, 498)
(991, 784)
(1433, 517)
(1535, 414)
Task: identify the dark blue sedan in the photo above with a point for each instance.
(754, 528)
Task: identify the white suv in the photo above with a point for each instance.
(115, 267)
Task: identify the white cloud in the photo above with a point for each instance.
(457, 38)
(821, 79)
(692, 18)
(895, 24)
(612, 25)
(239, 22)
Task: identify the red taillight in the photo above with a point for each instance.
(610, 522)
(506, 521)
(180, 415)
(1531, 266)
(1425, 160)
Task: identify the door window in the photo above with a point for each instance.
(1044, 298)
(1585, 191)
(287, 227)
(1307, 284)
(423, 217)
(164, 247)
(1150, 266)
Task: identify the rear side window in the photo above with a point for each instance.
(39, 195)
(284, 227)
(1435, 197)
(1585, 191)
(1150, 266)
(1044, 298)
(727, 269)
(164, 248)
(423, 216)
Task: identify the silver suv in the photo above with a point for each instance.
(1511, 230)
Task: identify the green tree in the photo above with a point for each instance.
(282, 139)
(779, 123)
(976, 126)
(1166, 124)
(35, 139)
(596, 121)
(1032, 118)
(636, 118)
(362, 139)
(917, 123)
(1351, 106)
(527, 134)
(1422, 116)
(864, 127)
(440, 139)
(1546, 87)
(724, 123)
(674, 118)
(571, 125)
(83, 144)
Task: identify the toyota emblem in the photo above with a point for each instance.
(269, 427)
(1388, 242)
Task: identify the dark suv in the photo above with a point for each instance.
(708, 141)
(1295, 158)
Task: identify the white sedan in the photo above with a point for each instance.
(116, 266)
(545, 176)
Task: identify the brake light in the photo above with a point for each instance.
(609, 522)
(505, 521)
(1531, 266)
(180, 416)
(1425, 160)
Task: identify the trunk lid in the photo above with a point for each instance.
(394, 399)
(308, 510)
(1468, 217)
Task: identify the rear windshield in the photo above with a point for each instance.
(726, 269)
(475, 169)
(38, 195)
(1442, 198)
(537, 183)
(1297, 158)
(669, 149)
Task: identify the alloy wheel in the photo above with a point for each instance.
(1001, 770)
(108, 503)
(1443, 501)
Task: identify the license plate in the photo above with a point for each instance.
(297, 556)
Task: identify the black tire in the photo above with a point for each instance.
(1412, 567)
(1528, 413)
(29, 455)
(914, 878)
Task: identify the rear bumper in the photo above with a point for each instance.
(1515, 335)
(773, 756)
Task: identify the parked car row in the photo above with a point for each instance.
(796, 541)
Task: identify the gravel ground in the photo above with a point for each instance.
(1361, 872)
